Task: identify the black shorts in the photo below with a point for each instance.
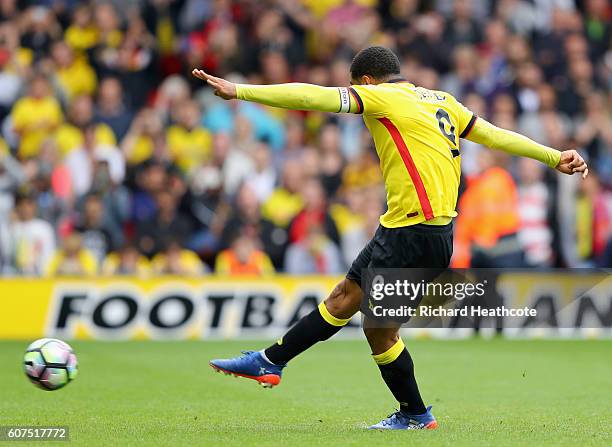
(416, 246)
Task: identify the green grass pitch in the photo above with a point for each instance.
(484, 392)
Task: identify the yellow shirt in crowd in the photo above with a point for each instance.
(189, 262)
(141, 150)
(188, 148)
(281, 207)
(77, 79)
(81, 38)
(33, 119)
(321, 7)
(84, 264)
(112, 264)
(69, 137)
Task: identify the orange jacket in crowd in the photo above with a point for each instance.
(257, 264)
(488, 210)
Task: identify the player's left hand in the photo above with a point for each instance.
(223, 88)
(572, 162)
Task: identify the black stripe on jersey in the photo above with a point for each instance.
(358, 98)
(469, 126)
(391, 81)
(340, 94)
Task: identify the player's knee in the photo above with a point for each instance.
(381, 339)
(380, 334)
(345, 299)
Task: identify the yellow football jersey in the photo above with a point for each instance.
(35, 119)
(188, 148)
(416, 132)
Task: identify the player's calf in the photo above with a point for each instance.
(395, 365)
(319, 325)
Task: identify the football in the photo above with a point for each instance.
(50, 364)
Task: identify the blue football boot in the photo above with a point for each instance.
(401, 421)
(252, 365)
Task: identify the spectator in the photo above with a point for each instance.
(528, 81)
(72, 259)
(246, 219)
(12, 176)
(39, 30)
(546, 125)
(357, 220)
(594, 133)
(462, 28)
(35, 117)
(332, 162)
(13, 68)
(462, 80)
(28, 242)
(363, 171)
(145, 140)
(115, 197)
(49, 180)
(429, 45)
(488, 221)
(175, 260)
(166, 224)
(285, 202)
(82, 162)
(126, 261)
(150, 180)
(81, 34)
(236, 163)
(135, 57)
(578, 85)
(314, 213)
(173, 91)
(105, 54)
(96, 233)
(244, 258)
(69, 135)
(111, 109)
(592, 220)
(535, 234)
(73, 74)
(597, 26)
(189, 144)
(315, 253)
(263, 178)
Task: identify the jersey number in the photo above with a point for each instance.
(444, 121)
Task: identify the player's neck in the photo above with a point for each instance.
(394, 79)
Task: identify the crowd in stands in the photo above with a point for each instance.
(114, 160)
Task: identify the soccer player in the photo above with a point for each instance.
(417, 135)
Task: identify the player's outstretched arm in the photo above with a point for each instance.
(294, 96)
(567, 162)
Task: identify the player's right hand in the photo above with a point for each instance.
(223, 88)
(572, 162)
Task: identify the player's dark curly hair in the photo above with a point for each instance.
(379, 62)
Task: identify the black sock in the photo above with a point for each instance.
(398, 374)
(317, 326)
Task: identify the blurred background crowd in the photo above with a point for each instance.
(113, 160)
